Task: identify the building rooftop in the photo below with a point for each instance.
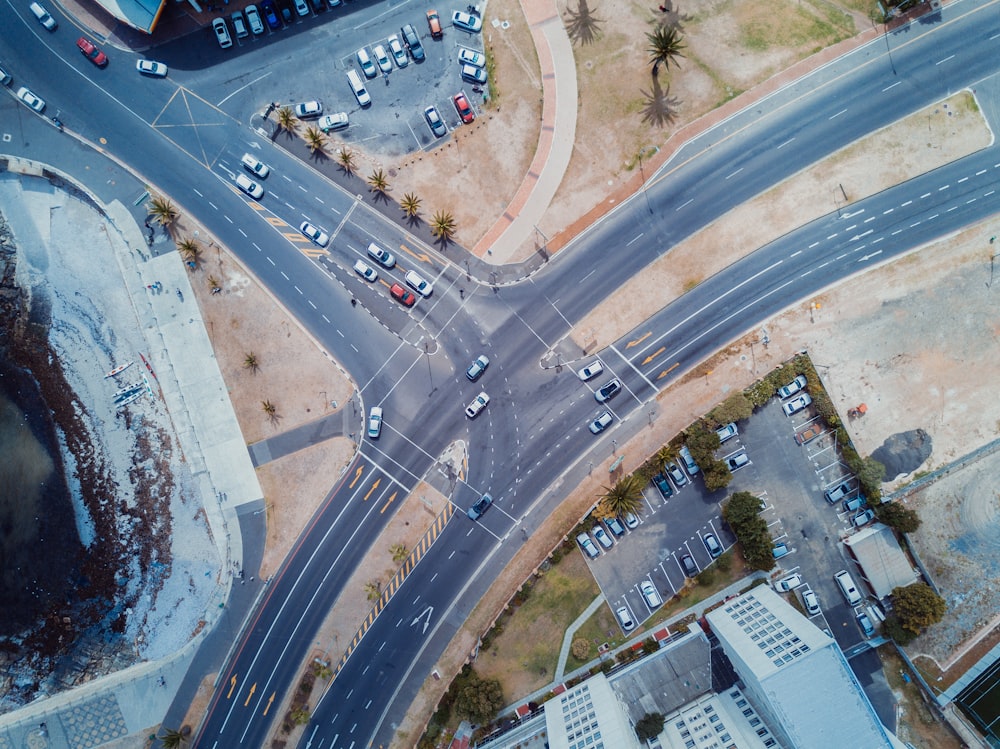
(883, 564)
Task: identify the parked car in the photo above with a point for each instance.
(787, 391)
(481, 506)
(365, 271)
(602, 538)
(406, 298)
(608, 391)
(434, 122)
(838, 492)
(315, 234)
(478, 404)
(31, 100)
(712, 545)
(471, 57)
(866, 624)
(397, 51)
(5, 77)
(854, 503)
(631, 521)
(375, 422)
(43, 16)
(653, 599)
(601, 423)
(797, 404)
(366, 63)
(382, 256)
(463, 108)
(692, 467)
(591, 370)
(466, 21)
(308, 109)
(737, 461)
(727, 432)
(477, 368)
(330, 122)
(270, 14)
(688, 565)
(250, 187)
(239, 25)
(151, 67)
(412, 42)
(675, 473)
(615, 527)
(434, 24)
(253, 18)
(255, 166)
(666, 490)
(416, 282)
(92, 52)
(301, 8)
(588, 546)
(625, 618)
(785, 584)
(863, 518)
(780, 550)
(810, 601)
(474, 75)
(382, 58)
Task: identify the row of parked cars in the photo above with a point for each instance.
(252, 20)
(863, 614)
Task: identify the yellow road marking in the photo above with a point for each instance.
(374, 487)
(357, 475)
(637, 341)
(653, 355)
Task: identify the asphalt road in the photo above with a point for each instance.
(531, 442)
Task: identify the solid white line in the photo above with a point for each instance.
(242, 88)
(949, 57)
(784, 144)
(735, 173)
(683, 204)
(891, 86)
(838, 114)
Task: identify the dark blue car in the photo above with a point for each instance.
(270, 15)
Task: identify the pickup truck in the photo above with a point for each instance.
(808, 434)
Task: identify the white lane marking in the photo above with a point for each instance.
(784, 144)
(891, 86)
(735, 173)
(838, 114)
(683, 204)
(941, 62)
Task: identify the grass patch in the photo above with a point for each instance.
(773, 24)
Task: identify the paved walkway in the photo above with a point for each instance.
(570, 631)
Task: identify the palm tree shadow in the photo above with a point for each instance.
(319, 156)
(660, 108)
(414, 221)
(583, 26)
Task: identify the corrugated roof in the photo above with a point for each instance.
(882, 562)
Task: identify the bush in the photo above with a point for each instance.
(894, 630)
(478, 699)
(580, 648)
(917, 607)
(734, 408)
(716, 472)
(742, 512)
(893, 514)
(649, 726)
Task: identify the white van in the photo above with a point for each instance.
(360, 92)
(43, 16)
(847, 587)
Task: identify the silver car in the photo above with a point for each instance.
(653, 599)
(397, 51)
(308, 109)
(601, 423)
(588, 546)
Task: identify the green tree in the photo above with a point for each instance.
(665, 45)
(250, 362)
(894, 630)
(345, 157)
(716, 472)
(190, 250)
(378, 182)
(410, 205)
(479, 699)
(736, 407)
(917, 606)
(315, 139)
(893, 514)
(443, 226)
(649, 726)
(622, 498)
(162, 210)
(870, 474)
(286, 120)
(171, 738)
(742, 512)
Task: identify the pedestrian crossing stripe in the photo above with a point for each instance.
(405, 568)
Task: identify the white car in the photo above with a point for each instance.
(397, 51)
(315, 234)
(416, 282)
(151, 67)
(601, 423)
(253, 18)
(863, 518)
(375, 422)
(787, 391)
(471, 57)
(365, 61)
(365, 271)
(255, 166)
(31, 100)
(478, 404)
(301, 8)
(250, 187)
(811, 602)
(785, 584)
(591, 370)
(330, 122)
(308, 109)
(653, 599)
(588, 546)
(381, 58)
(381, 256)
(738, 461)
(631, 521)
(727, 432)
(222, 33)
(625, 618)
(472, 74)
(602, 537)
(797, 404)
(466, 21)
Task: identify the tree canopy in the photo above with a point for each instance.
(893, 514)
(742, 512)
(649, 726)
(917, 607)
(479, 699)
(622, 498)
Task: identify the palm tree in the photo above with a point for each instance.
(373, 589)
(660, 107)
(213, 284)
(190, 251)
(410, 205)
(268, 408)
(315, 139)
(346, 158)
(171, 738)
(250, 362)
(624, 497)
(399, 552)
(162, 210)
(379, 182)
(665, 46)
(583, 26)
(443, 226)
(286, 120)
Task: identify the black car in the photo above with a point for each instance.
(690, 568)
(609, 391)
(412, 42)
(666, 490)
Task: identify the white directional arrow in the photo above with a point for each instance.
(863, 258)
(254, 144)
(426, 616)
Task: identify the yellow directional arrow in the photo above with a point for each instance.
(374, 487)
(232, 686)
(665, 372)
(637, 341)
(250, 696)
(418, 255)
(357, 475)
(269, 701)
(653, 355)
(386, 505)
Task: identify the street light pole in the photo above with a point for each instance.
(642, 187)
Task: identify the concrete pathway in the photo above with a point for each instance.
(570, 631)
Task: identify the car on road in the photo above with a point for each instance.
(151, 67)
(463, 108)
(787, 391)
(472, 74)
(315, 234)
(727, 432)
(608, 391)
(416, 282)
(712, 545)
(866, 624)
(31, 100)
(666, 490)
(270, 14)
(5, 77)
(688, 565)
(602, 537)
(253, 18)
(625, 618)
(255, 166)
(365, 271)
(863, 518)
(737, 461)
(588, 546)
(615, 526)
(601, 423)
(482, 505)
(43, 16)
(838, 492)
(382, 256)
(675, 473)
(811, 602)
(407, 298)
(478, 404)
(434, 24)
(92, 52)
(382, 58)
(330, 122)
(785, 584)
(653, 599)
(466, 21)
(471, 57)
(375, 422)
(434, 122)
(397, 51)
(250, 187)
(476, 369)
(308, 109)
(591, 370)
(412, 42)
(797, 404)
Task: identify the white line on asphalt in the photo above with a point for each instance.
(891, 86)
(953, 208)
(925, 195)
(735, 173)
(876, 241)
(311, 304)
(949, 57)
(989, 193)
(242, 88)
(588, 275)
(296, 288)
(896, 232)
(683, 204)
(887, 212)
(284, 276)
(962, 180)
(972, 200)
(931, 218)
(325, 318)
(852, 227)
(981, 171)
(870, 218)
(908, 202)
(636, 239)
(943, 188)
(838, 114)
(228, 219)
(271, 261)
(916, 224)
(784, 144)
(832, 235)
(257, 246)
(302, 188)
(634, 369)
(797, 252)
(813, 245)
(869, 257)
(242, 232)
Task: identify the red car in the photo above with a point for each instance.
(464, 110)
(404, 296)
(91, 52)
(434, 24)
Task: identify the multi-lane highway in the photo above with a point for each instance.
(528, 446)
